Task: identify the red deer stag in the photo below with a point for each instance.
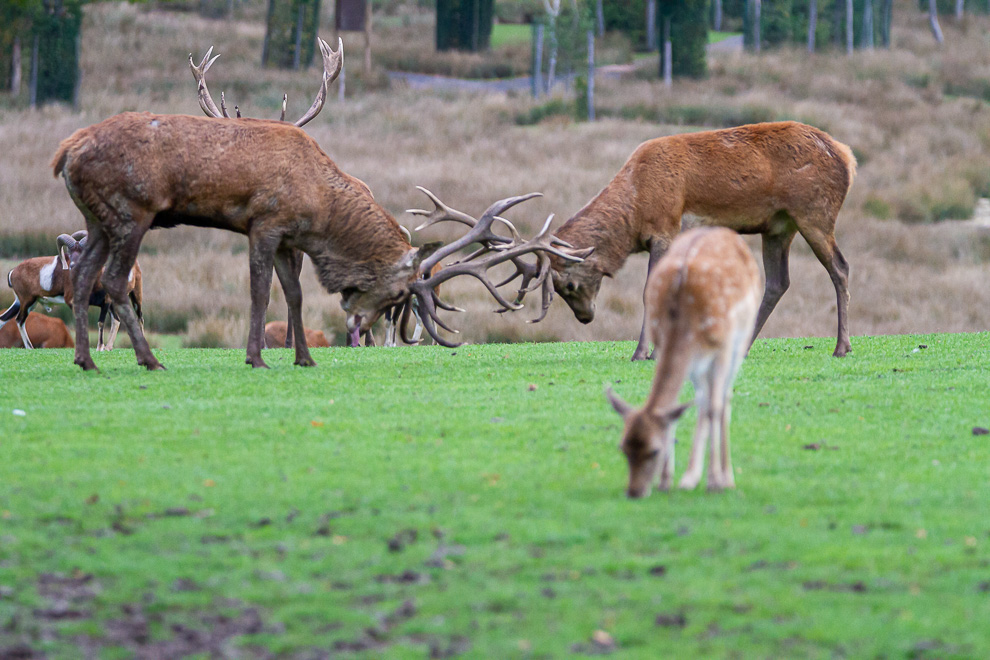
(774, 179)
(268, 180)
(42, 331)
(701, 305)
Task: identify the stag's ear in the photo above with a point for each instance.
(425, 252)
(618, 404)
(671, 415)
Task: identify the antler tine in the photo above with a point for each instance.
(480, 232)
(547, 299)
(441, 213)
(285, 99)
(223, 106)
(199, 73)
(333, 62)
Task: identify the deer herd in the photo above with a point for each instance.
(683, 199)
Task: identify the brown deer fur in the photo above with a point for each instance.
(266, 179)
(775, 179)
(701, 306)
(43, 331)
(275, 336)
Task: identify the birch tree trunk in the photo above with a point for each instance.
(960, 9)
(757, 12)
(651, 25)
(600, 18)
(868, 25)
(668, 55)
(553, 10)
(933, 21)
(367, 36)
(812, 24)
(591, 76)
(717, 23)
(885, 31)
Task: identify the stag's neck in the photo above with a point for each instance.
(608, 223)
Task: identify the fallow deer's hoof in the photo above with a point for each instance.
(305, 362)
(664, 486)
(688, 483)
(713, 486)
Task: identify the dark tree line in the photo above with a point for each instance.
(39, 49)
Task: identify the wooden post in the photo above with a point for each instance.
(651, 25)
(591, 75)
(15, 66)
(668, 55)
(812, 24)
(33, 82)
(849, 27)
(297, 55)
(367, 36)
(537, 67)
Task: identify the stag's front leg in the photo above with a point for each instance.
(657, 250)
(288, 275)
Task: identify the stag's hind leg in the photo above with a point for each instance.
(288, 274)
(115, 281)
(823, 245)
(776, 248)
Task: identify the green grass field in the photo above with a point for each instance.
(427, 501)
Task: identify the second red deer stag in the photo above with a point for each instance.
(269, 180)
(701, 301)
(776, 179)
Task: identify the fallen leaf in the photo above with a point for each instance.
(93, 499)
(532, 387)
(921, 534)
(209, 483)
(602, 638)
(316, 424)
(814, 446)
(979, 430)
(338, 539)
(970, 541)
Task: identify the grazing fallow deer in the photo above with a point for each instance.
(701, 305)
(775, 179)
(269, 180)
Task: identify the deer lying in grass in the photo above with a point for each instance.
(42, 331)
(275, 336)
(701, 306)
(774, 179)
(48, 280)
(269, 180)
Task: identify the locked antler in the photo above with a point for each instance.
(333, 62)
(495, 249)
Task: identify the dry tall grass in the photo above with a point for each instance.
(911, 115)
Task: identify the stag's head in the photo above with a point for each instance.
(73, 246)
(646, 439)
(578, 285)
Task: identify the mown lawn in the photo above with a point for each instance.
(416, 501)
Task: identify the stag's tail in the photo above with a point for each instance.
(848, 159)
(68, 144)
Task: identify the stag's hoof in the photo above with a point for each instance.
(639, 355)
(257, 363)
(842, 349)
(305, 362)
(154, 366)
(86, 363)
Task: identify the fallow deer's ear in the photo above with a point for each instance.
(618, 404)
(671, 415)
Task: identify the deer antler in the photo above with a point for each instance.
(333, 62)
(495, 250)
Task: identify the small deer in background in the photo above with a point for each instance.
(701, 305)
(43, 332)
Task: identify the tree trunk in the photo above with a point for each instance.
(812, 24)
(537, 72)
(297, 55)
(960, 9)
(15, 66)
(668, 55)
(850, 44)
(933, 21)
(868, 25)
(600, 18)
(717, 22)
(651, 25)
(33, 82)
(552, 64)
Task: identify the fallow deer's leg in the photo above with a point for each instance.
(657, 250)
(261, 248)
(83, 278)
(667, 471)
(696, 462)
(288, 275)
(115, 278)
(824, 247)
(775, 252)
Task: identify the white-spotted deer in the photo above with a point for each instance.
(269, 180)
(701, 306)
(775, 179)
